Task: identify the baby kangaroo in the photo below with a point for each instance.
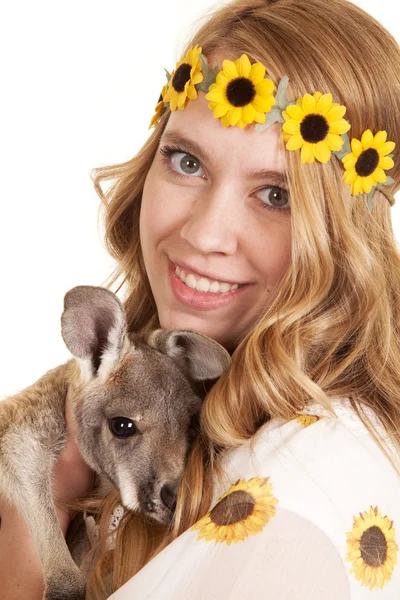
(133, 398)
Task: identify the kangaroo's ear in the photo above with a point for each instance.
(198, 356)
(93, 327)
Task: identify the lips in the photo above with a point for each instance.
(201, 301)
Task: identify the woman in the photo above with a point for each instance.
(292, 487)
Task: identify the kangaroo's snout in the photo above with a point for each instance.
(168, 496)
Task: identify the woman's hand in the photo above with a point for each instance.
(72, 478)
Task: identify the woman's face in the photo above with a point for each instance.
(215, 225)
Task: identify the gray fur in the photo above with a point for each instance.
(151, 380)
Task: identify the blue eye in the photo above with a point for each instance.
(181, 163)
(275, 198)
(122, 427)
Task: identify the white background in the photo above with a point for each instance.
(79, 81)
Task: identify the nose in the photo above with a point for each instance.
(214, 222)
(168, 496)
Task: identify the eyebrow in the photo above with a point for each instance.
(174, 137)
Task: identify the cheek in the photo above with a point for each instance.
(161, 214)
(273, 252)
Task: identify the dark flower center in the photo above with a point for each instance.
(235, 507)
(240, 91)
(373, 547)
(367, 162)
(314, 128)
(181, 77)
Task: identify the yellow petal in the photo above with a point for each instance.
(368, 183)
(248, 113)
(324, 104)
(295, 112)
(220, 110)
(379, 139)
(307, 153)
(197, 78)
(291, 127)
(295, 142)
(334, 142)
(243, 66)
(261, 104)
(379, 175)
(230, 69)
(257, 73)
(225, 120)
(309, 104)
(386, 148)
(339, 127)
(192, 93)
(215, 95)
(335, 113)
(173, 103)
(357, 186)
(386, 163)
(349, 177)
(234, 115)
(356, 147)
(221, 80)
(265, 87)
(349, 161)
(367, 139)
(322, 152)
(259, 117)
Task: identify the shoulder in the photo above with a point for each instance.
(329, 482)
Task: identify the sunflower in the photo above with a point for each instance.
(366, 164)
(187, 74)
(159, 109)
(241, 93)
(315, 125)
(242, 511)
(372, 548)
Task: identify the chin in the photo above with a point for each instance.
(204, 325)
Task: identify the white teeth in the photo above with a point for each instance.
(191, 281)
(203, 284)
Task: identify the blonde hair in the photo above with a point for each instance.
(332, 328)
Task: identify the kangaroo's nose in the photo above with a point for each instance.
(168, 496)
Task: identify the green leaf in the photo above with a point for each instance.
(281, 98)
(346, 148)
(389, 181)
(209, 76)
(167, 74)
(274, 116)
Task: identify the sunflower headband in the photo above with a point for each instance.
(240, 94)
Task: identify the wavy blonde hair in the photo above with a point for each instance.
(332, 328)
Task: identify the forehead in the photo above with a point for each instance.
(246, 150)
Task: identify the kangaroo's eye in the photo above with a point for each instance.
(122, 427)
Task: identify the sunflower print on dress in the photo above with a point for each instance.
(187, 74)
(241, 94)
(366, 164)
(243, 510)
(372, 548)
(307, 420)
(315, 125)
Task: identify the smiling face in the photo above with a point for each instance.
(209, 221)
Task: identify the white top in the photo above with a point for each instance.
(309, 510)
